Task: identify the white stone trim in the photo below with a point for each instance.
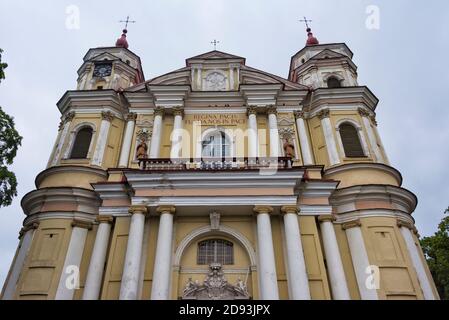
(74, 133)
(360, 134)
(223, 230)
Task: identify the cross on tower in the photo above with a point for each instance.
(215, 42)
(306, 21)
(126, 22)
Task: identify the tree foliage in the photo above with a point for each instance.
(436, 250)
(10, 140)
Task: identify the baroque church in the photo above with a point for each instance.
(219, 181)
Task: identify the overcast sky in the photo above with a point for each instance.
(404, 63)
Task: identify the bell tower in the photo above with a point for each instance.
(114, 68)
(323, 65)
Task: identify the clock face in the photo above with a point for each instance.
(102, 70)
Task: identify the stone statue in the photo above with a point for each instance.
(190, 286)
(142, 149)
(289, 149)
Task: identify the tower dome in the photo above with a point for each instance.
(311, 40)
(122, 42)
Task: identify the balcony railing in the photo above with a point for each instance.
(215, 164)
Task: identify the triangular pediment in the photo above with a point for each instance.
(214, 55)
(255, 76)
(104, 56)
(328, 54)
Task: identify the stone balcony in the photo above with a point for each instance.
(215, 164)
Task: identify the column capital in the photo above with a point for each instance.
(166, 209)
(178, 111)
(138, 209)
(272, 110)
(363, 112)
(299, 114)
(27, 228)
(327, 218)
(263, 209)
(159, 111)
(289, 209)
(323, 114)
(69, 117)
(405, 224)
(351, 224)
(76, 223)
(132, 116)
(107, 115)
(104, 219)
(373, 120)
(251, 110)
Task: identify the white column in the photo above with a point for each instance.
(27, 234)
(176, 139)
(102, 138)
(162, 262)
(127, 140)
(306, 151)
(267, 265)
(298, 281)
(253, 141)
(157, 133)
(416, 260)
(359, 258)
(274, 132)
(231, 78)
(63, 131)
(69, 280)
(371, 136)
(335, 269)
(130, 276)
(199, 81)
(96, 266)
(331, 146)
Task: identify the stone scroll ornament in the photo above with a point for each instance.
(215, 287)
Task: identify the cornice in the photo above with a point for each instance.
(85, 200)
(69, 169)
(75, 99)
(344, 200)
(358, 166)
(343, 96)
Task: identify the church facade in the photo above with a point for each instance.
(219, 181)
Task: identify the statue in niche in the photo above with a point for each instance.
(289, 148)
(142, 149)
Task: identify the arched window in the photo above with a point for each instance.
(333, 82)
(81, 145)
(351, 142)
(215, 251)
(216, 144)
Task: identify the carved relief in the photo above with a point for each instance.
(215, 81)
(215, 287)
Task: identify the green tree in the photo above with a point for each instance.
(10, 140)
(436, 250)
